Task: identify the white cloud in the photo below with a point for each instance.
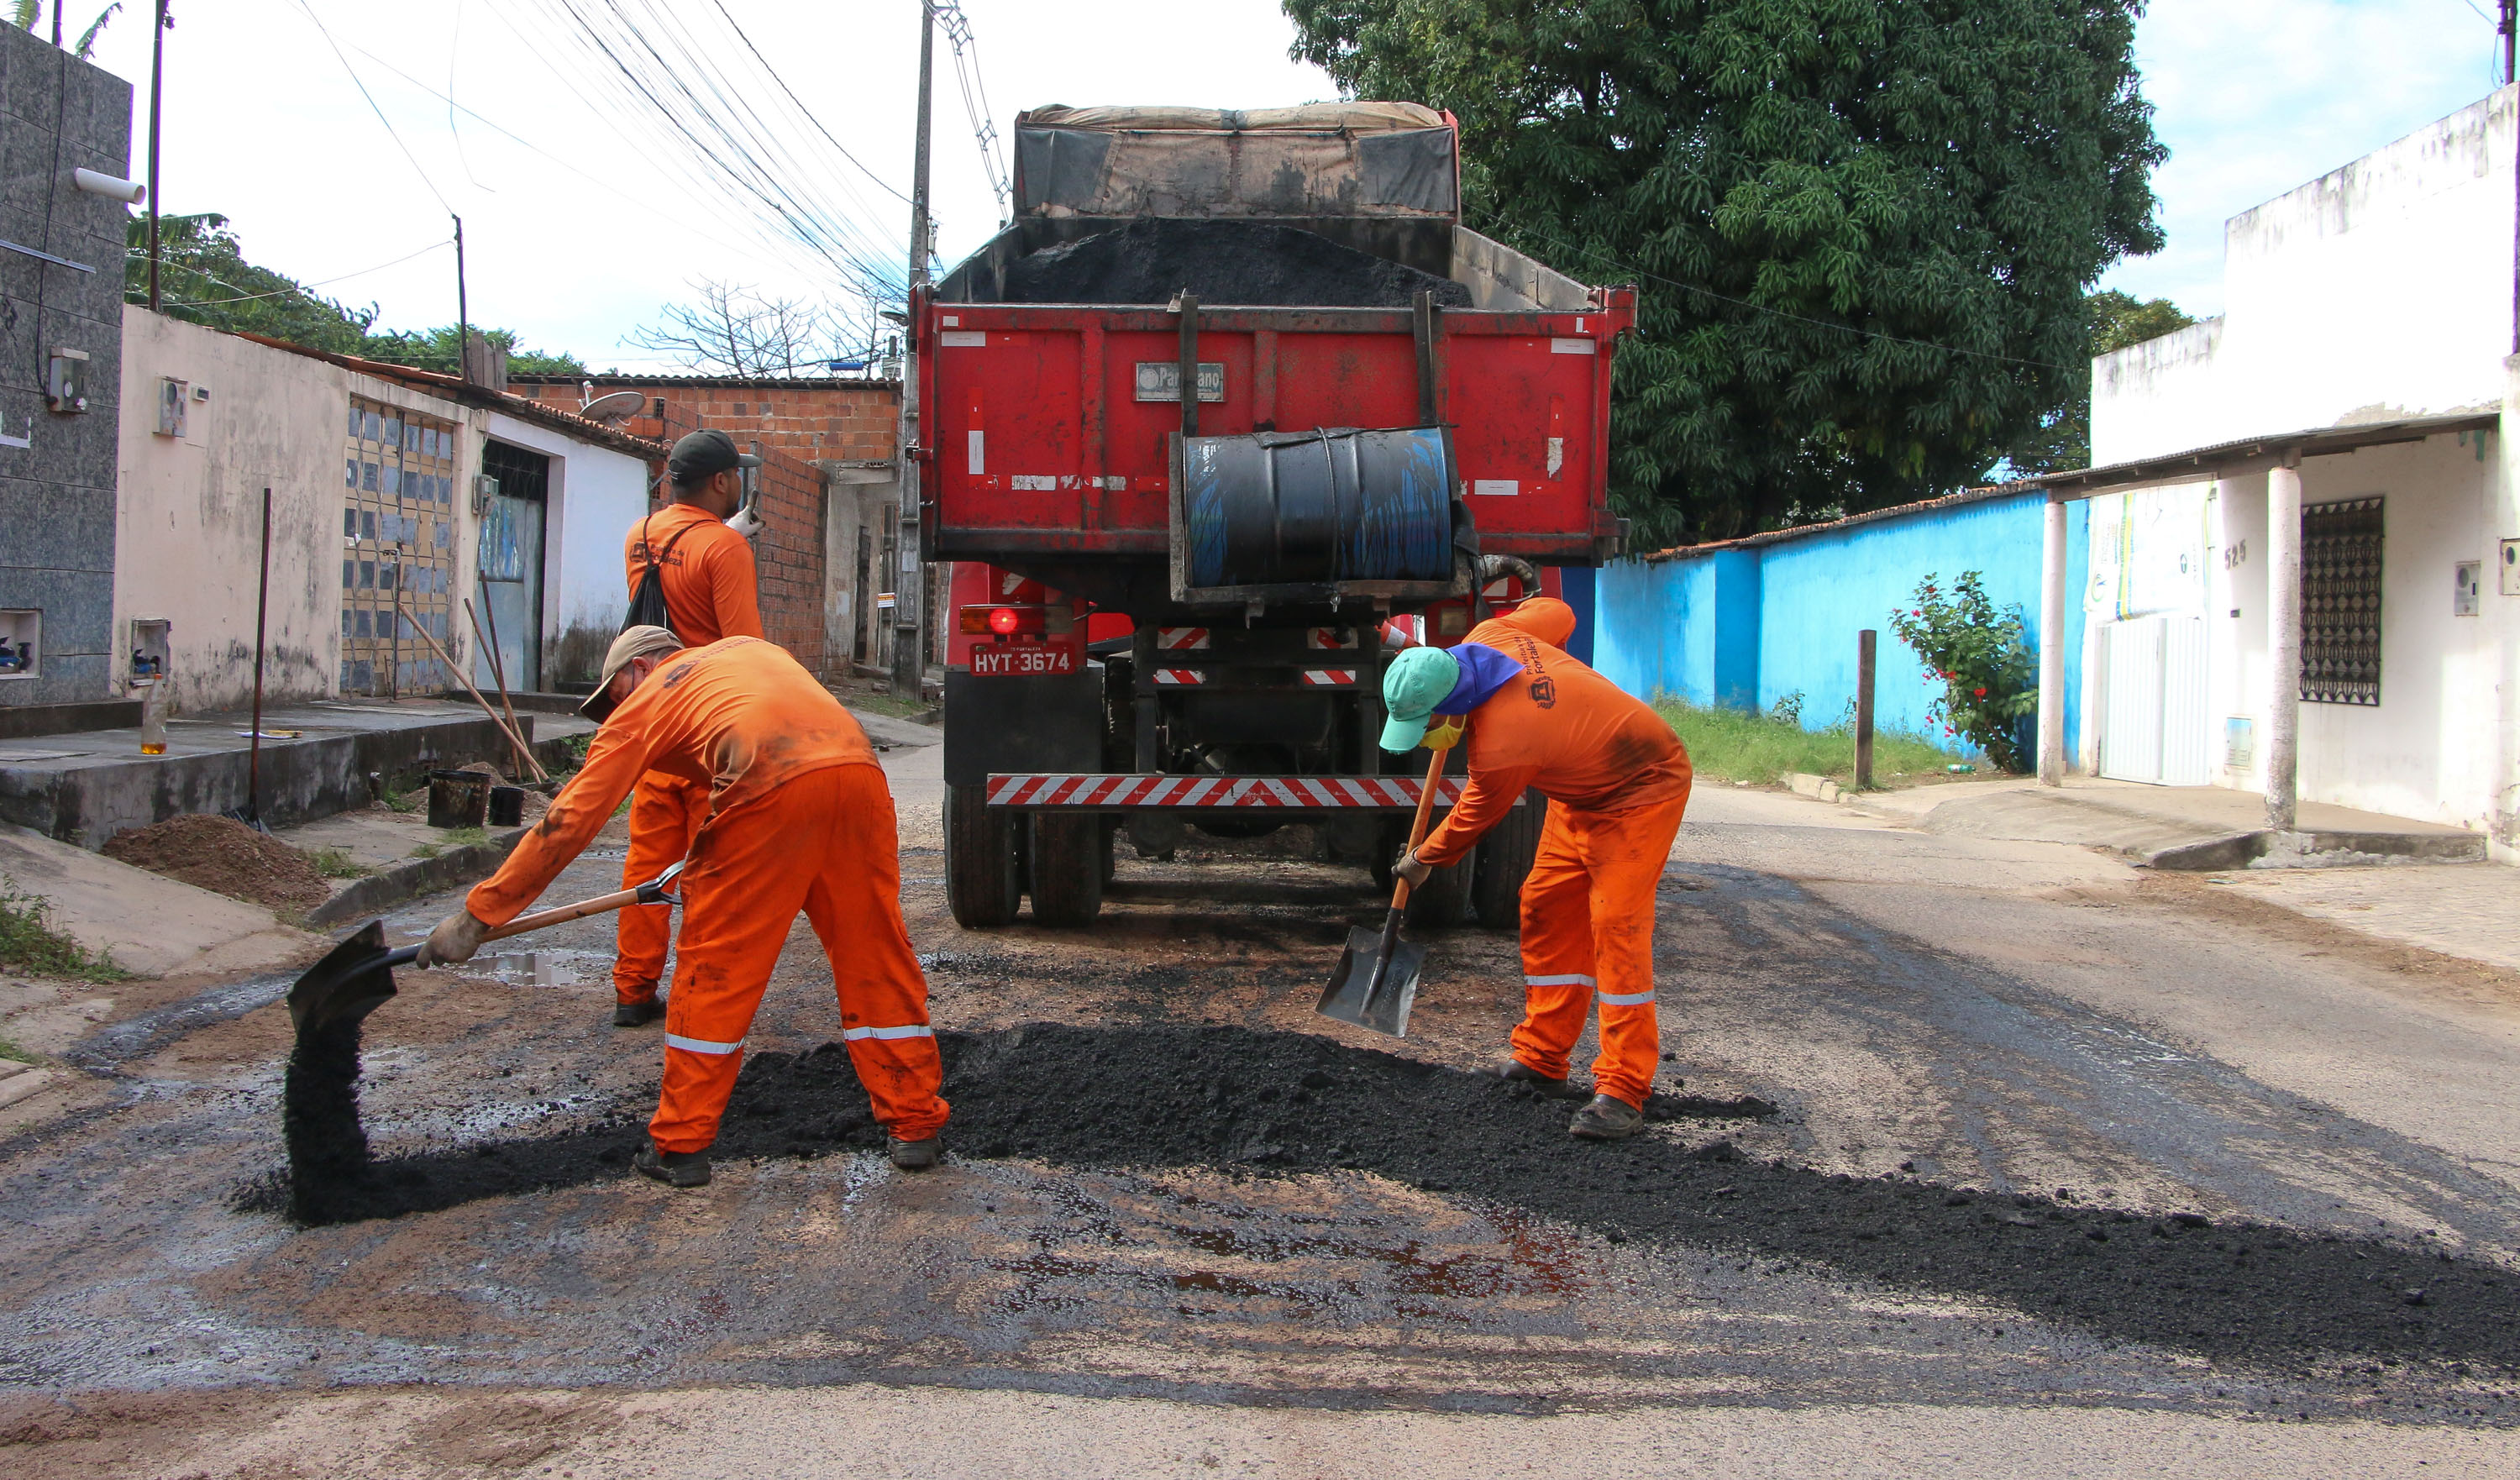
(2255, 97)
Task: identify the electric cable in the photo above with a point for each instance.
(303, 289)
(372, 105)
(800, 104)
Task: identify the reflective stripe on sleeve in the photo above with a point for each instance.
(1626, 998)
(913, 1030)
(1570, 979)
(701, 1045)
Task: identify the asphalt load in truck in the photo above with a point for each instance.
(1275, 1103)
(1221, 263)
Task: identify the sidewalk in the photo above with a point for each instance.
(83, 788)
(2200, 829)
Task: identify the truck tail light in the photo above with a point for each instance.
(1005, 621)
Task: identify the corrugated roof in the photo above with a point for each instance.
(2220, 459)
(727, 383)
(522, 408)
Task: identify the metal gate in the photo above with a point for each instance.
(512, 564)
(2153, 701)
(397, 549)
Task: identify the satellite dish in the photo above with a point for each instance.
(615, 407)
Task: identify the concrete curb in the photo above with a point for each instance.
(415, 877)
(2266, 848)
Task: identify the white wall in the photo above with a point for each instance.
(188, 510)
(596, 494)
(2381, 290)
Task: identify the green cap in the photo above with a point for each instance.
(1412, 687)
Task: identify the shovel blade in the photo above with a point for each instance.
(353, 979)
(1354, 996)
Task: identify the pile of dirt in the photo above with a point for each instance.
(1269, 1104)
(1221, 263)
(225, 857)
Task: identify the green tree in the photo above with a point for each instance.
(204, 277)
(2063, 440)
(1861, 229)
(26, 15)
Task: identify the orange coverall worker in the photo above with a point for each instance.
(1617, 780)
(708, 573)
(799, 817)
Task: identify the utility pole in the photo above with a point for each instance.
(157, 92)
(2507, 25)
(910, 594)
(57, 22)
(462, 312)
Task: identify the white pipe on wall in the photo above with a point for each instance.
(113, 187)
(2283, 644)
(2052, 646)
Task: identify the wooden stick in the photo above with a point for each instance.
(490, 645)
(1417, 826)
(524, 752)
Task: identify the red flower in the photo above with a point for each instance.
(1980, 693)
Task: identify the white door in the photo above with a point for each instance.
(2152, 695)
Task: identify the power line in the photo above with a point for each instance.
(975, 100)
(372, 105)
(800, 104)
(301, 289)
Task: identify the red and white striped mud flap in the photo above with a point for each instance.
(1330, 678)
(1284, 793)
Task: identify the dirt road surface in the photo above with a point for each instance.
(1969, 1156)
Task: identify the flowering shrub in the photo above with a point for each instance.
(1989, 677)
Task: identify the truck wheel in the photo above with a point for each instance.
(982, 882)
(1443, 901)
(1505, 861)
(1067, 869)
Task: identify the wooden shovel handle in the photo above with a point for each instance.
(1417, 828)
(599, 905)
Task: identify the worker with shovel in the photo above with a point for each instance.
(693, 574)
(1617, 780)
(799, 817)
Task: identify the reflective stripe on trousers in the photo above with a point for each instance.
(703, 1044)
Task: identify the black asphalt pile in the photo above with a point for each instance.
(1270, 1103)
(1238, 262)
(319, 1120)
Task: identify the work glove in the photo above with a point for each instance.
(1409, 868)
(455, 939)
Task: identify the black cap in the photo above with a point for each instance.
(705, 454)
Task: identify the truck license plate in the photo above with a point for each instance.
(1006, 661)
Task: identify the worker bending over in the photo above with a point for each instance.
(1616, 779)
(704, 571)
(799, 817)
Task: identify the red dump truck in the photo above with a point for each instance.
(1235, 403)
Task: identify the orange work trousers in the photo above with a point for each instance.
(824, 843)
(665, 816)
(1588, 919)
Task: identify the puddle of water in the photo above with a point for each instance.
(533, 968)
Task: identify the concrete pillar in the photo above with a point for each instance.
(2284, 644)
(2052, 646)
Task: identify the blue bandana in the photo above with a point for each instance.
(1484, 670)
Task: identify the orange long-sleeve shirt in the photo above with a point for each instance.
(711, 591)
(740, 715)
(1561, 729)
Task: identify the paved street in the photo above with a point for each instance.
(1974, 1154)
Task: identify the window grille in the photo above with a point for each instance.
(2340, 602)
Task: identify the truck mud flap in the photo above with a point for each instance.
(1035, 792)
(1050, 720)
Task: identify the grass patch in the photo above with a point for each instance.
(427, 850)
(333, 863)
(29, 942)
(466, 837)
(12, 1050)
(883, 701)
(405, 801)
(1734, 746)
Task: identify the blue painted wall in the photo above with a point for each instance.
(1745, 626)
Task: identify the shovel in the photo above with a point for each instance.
(357, 976)
(1377, 981)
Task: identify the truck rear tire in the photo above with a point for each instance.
(1443, 901)
(1068, 852)
(1504, 862)
(983, 877)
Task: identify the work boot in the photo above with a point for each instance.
(916, 1155)
(1607, 1118)
(638, 1014)
(1515, 1071)
(675, 1169)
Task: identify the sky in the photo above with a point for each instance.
(583, 217)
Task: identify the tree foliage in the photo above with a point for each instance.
(2063, 440)
(204, 278)
(1861, 229)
